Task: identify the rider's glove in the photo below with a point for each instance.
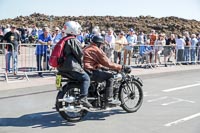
(126, 69)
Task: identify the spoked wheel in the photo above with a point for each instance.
(131, 96)
(69, 116)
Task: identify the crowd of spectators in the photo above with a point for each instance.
(120, 47)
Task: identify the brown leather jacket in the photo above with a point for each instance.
(94, 58)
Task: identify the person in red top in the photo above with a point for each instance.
(152, 38)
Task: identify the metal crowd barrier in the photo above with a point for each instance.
(27, 60)
(33, 58)
(158, 55)
(6, 60)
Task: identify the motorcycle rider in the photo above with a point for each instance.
(94, 59)
(72, 64)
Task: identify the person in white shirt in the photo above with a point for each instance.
(56, 36)
(7, 29)
(120, 42)
(158, 45)
(194, 42)
(109, 44)
(180, 43)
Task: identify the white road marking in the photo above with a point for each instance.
(185, 100)
(177, 101)
(165, 104)
(149, 95)
(157, 99)
(180, 88)
(182, 120)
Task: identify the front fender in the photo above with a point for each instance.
(137, 79)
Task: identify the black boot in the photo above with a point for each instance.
(83, 100)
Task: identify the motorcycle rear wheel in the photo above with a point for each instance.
(69, 116)
(131, 96)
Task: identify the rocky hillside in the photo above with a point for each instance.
(141, 23)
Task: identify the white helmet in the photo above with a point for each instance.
(72, 27)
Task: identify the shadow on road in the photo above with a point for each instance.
(102, 115)
(36, 120)
(51, 119)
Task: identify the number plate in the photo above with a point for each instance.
(58, 81)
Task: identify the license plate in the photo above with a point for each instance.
(58, 81)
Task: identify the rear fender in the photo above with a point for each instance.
(70, 85)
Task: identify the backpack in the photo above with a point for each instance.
(57, 56)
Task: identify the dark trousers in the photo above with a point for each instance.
(39, 62)
(103, 75)
(180, 55)
(117, 55)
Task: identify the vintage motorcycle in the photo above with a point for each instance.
(127, 88)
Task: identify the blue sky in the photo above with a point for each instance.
(188, 9)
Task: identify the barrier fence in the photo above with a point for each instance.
(25, 59)
(164, 55)
(33, 58)
(4, 57)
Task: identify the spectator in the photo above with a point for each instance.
(63, 34)
(153, 37)
(56, 36)
(40, 31)
(95, 31)
(168, 51)
(1, 31)
(109, 44)
(1, 34)
(34, 34)
(12, 50)
(103, 34)
(23, 34)
(194, 42)
(141, 38)
(7, 29)
(42, 50)
(198, 49)
(120, 42)
(180, 43)
(187, 47)
(132, 41)
(145, 51)
(81, 39)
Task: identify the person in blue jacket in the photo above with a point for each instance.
(43, 50)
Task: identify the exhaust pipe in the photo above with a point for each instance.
(70, 109)
(67, 99)
(71, 99)
(76, 109)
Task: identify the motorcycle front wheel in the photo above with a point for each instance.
(68, 91)
(131, 96)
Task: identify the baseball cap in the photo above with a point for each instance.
(121, 33)
(131, 29)
(45, 25)
(57, 28)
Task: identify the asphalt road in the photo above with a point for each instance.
(171, 105)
